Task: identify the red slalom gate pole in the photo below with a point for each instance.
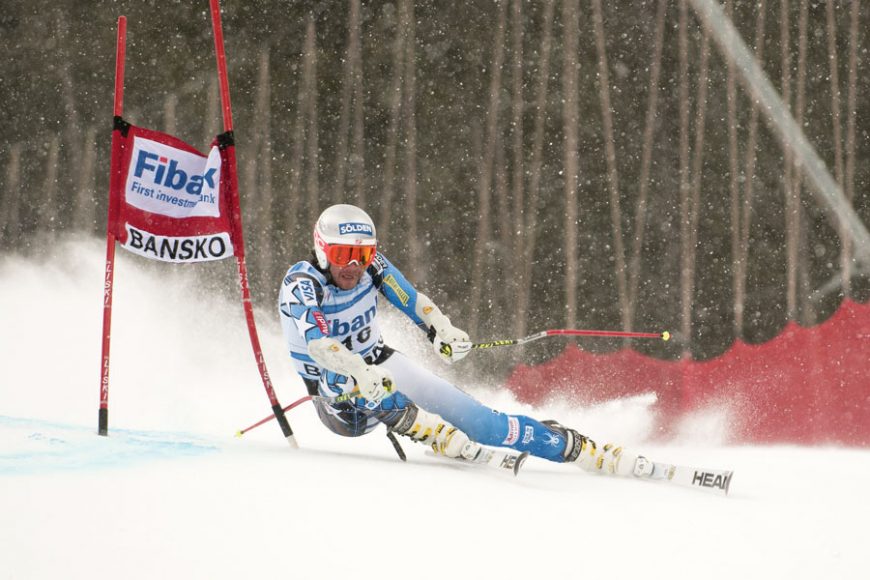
(120, 55)
(228, 144)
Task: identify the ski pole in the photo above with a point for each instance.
(337, 399)
(295, 403)
(567, 332)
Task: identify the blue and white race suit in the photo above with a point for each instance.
(311, 306)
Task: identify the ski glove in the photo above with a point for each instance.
(374, 383)
(449, 342)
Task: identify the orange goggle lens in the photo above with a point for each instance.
(344, 255)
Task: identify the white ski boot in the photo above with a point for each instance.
(610, 459)
(432, 430)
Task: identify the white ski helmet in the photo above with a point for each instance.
(344, 234)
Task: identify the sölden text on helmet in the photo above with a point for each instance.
(344, 234)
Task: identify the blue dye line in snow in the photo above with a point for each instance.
(29, 446)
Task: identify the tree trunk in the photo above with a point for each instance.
(515, 243)
(746, 206)
(808, 316)
(486, 171)
(685, 190)
(646, 161)
(612, 168)
(791, 202)
(348, 83)
(409, 105)
(737, 266)
(10, 225)
(212, 111)
(72, 133)
(261, 194)
(85, 210)
(834, 76)
(531, 233)
(308, 119)
(497, 288)
(570, 115)
(170, 117)
(851, 113)
(48, 211)
(358, 165)
(395, 100)
(694, 213)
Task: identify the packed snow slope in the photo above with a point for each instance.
(171, 493)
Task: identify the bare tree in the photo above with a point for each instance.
(851, 113)
(746, 205)
(646, 161)
(693, 210)
(312, 137)
(348, 84)
(48, 210)
(358, 164)
(393, 130)
(84, 211)
(212, 110)
(685, 243)
(300, 131)
(517, 106)
(72, 132)
(497, 289)
(808, 309)
(737, 267)
(839, 172)
(410, 128)
(791, 199)
(304, 148)
(503, 199)
(170, 113)
(570, 117)
(10, 224)
(486, 169)
(531, 227)
(612, 168)
(259, 182)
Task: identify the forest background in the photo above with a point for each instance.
(530, 165)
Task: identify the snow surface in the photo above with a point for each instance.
(171, 493)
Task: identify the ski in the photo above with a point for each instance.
(501, 459)
(494, 458)
(716, 481)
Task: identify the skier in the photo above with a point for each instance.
(329, 314)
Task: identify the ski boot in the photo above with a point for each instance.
(441, 436)
(609, 459)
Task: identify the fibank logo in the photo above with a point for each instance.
(355, 228)
(164, 171)
(174, 182)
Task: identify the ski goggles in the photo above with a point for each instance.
(342, 255)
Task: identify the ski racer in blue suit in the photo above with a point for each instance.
(329, 314)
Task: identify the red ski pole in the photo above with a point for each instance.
(296, 403)
(568, 332)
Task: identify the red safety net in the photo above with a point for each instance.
(807, 385)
